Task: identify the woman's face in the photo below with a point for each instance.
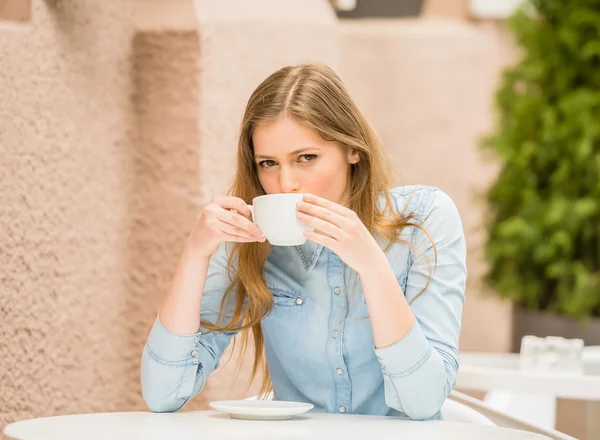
(292, 158)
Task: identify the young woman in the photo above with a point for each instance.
(364, 317)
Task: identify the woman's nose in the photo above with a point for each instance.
(288, 182)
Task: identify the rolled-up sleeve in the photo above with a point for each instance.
(420, 370)
(174, 367)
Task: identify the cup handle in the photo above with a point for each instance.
(251, 208)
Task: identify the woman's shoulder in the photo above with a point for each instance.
(430, 207)
(417, 199)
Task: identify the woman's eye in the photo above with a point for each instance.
(308, 157)
(267, 163)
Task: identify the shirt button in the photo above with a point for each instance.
(196, 340)
(299, 301)
(194, 353)
(335, 334)
(337, 290)
(339, 371)
(342, 409)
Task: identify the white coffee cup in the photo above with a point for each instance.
(275, 215)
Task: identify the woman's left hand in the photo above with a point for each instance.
(341, 230)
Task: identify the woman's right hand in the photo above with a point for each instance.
(224, 219)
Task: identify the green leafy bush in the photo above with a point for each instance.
(544, 231)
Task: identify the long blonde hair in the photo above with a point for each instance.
(315, 96)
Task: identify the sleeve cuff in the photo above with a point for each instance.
(170, 347)
(406, 355)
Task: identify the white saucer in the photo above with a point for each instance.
(261, 409)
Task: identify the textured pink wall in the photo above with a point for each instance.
(67, 181)
(118, 122)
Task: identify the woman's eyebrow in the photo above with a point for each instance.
(293, 153)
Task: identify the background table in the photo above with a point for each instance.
(501, 371)
(211, 424)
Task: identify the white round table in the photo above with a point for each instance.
(214, 425)
(501, 371)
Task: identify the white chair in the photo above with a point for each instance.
(539, 409)
(505, 420)
(455, 411)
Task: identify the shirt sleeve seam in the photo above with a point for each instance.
(415, 367)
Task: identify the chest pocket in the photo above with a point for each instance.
(285, 298)
(288, 312)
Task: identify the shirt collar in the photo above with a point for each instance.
(309, 253)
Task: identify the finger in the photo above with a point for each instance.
(322, 213)
(328, 204)
(234, 203)
(321, 239)
(236, 231)
(238, 220)
(322, 225)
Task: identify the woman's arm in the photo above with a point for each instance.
(177, 358)
(180, 309)
(417, 344)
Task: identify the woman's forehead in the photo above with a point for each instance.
(285, 136)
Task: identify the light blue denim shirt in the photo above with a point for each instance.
(318, 337)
